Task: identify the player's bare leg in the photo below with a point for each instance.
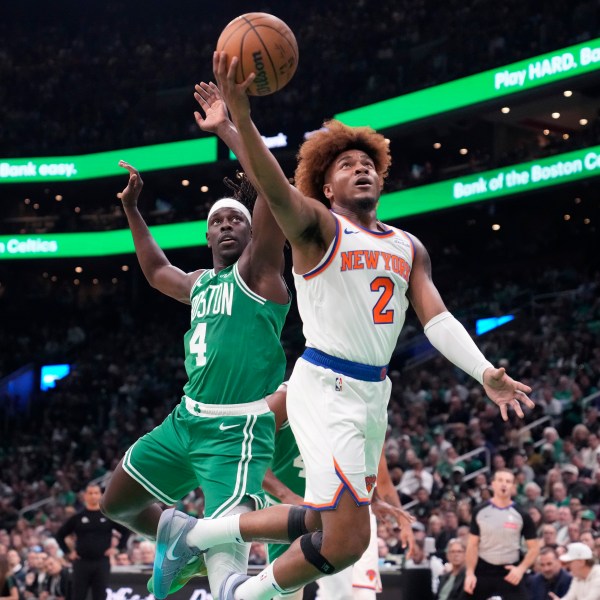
(127, 502)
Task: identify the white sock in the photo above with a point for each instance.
(260, 587)
(213, 532)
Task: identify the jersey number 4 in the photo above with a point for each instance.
(197, 344)
(380, 314)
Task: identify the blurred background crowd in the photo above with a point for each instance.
(85, 85)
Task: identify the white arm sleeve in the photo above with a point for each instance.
(450, 338)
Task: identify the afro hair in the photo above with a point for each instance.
(320, 150)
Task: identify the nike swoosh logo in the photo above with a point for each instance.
(170, 554)
(349, 231)
(223, 427)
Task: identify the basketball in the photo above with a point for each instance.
(264, 45)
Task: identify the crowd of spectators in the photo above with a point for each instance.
(89, 85)
(121, 78)
(123, 382)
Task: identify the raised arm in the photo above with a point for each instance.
(159, 272)
(295, 213)
(450, 338)
(262, 264)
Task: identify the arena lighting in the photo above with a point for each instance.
(484, 325)
(50, 373)
(106, 164)
(477, 187)
(560, 65)
(271, 141)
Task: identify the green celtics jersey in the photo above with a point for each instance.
(287, 464)
(232, 350)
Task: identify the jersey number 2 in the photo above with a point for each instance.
(197, 344)
(380, 314)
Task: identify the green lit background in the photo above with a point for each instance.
(580, 164)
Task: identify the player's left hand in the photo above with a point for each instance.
(515, 574)
(384, 510)
(130, 195)
(506, 392)
(210, 100)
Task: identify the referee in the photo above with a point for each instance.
(493, 567)
(93, 540)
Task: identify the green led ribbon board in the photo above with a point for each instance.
(106, 164)
(559, 65)
(478, 187)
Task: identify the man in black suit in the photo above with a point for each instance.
(451, 586)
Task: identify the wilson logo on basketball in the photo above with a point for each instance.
(261, 80)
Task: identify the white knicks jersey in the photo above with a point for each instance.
(353, 303)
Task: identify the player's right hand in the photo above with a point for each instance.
(233, 93)
(130, 195)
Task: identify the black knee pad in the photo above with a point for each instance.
(310, 544)
(296, 522)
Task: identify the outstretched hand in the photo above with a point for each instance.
(209, 98)
(130, 195)
(506, 392)
(384, 510)
(234, 94)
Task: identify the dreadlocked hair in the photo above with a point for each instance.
(321, 149)
(242, 190)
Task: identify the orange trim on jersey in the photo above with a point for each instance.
(375, 234)
(331, 504)
(348, 485)
(329, 259)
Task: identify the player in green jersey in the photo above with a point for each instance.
(220, 437)
(285, 483)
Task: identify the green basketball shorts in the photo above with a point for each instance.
(224, 449)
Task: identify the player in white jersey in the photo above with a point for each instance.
(354, 275)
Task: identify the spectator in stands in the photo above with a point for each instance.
(57, 581)
(422, 510)
(519, 463)
(533, 496)
(122, 560)
(420, 560)
(550, 576)
(449, 530)
(565, 518)
(17, 570)
(147, 552)
(36, 575)
(559, 494)
(452, 582)
(587, 538)
(573, 533)
(574, 487)
(8, 586)
(586, 576)
(549, 535)
(415, 478)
